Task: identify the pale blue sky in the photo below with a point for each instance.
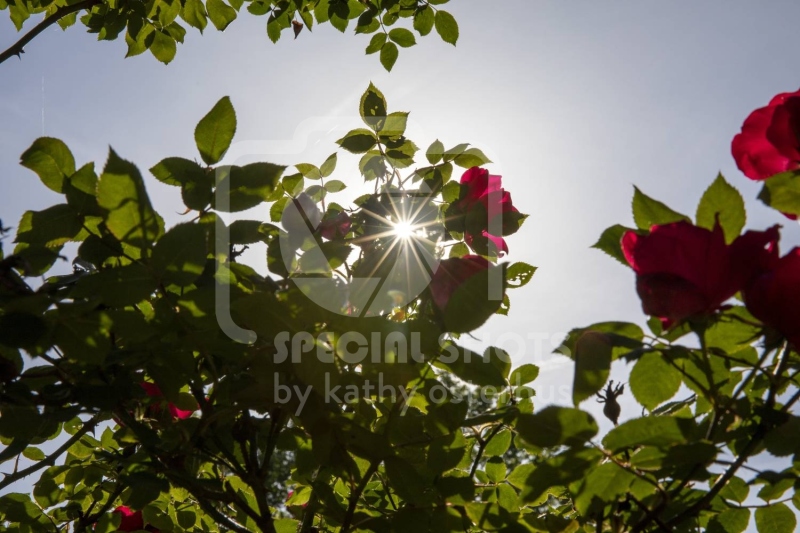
(574, 101)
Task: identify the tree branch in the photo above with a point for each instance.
(356, 495)
(17, 48)
(50, 460)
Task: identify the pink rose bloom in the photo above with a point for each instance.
(774, 295)
(684, 270)
(485, 198)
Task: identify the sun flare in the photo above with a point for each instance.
(403, 229)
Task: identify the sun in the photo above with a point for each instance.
(404, 229)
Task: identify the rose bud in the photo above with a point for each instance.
(684, 271)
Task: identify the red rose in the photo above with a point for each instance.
(152, 390)
(335, 227)
(769, 143)
(131, 520)
(451, 274)
(482, 201)
(773, 297)
(684, 270)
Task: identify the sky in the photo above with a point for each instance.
(575, 102)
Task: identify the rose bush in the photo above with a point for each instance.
(173, 305)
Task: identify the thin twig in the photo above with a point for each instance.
(17, 48)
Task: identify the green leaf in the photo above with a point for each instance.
(485, 371)
(215, 131)
(446, 452)
(653, 381)
(247, 186)
(163, 47)
(730, 521)
(179, 257)
(435, 152)
(51, 160)
(782, 192)
(558, 471)
(395, 124)
(328, 166)
(52, 227)
(276, 211)
(776, 487)
(118, 287)
(659, 431)
(402, 37)
(487, 516)
(722, 200)
(246, 232)
(389, 53)
(648, 212)
(471, 157)
(194, 13)
(475, 300)
(357, 141)
(310, 171)
(557, 426)
(376, 43)
(33, 453)
(273, 29)
(446, 27)
(610, 242)
(735, 489)
(519, 476)
(404, 478)
(372, 107)
(523, 375)
(451, 192)
(221, 14)
(592, 365)
(776, 518)
(423, 20)
(459, 250)
(37, 258)
(604, 485)
(131, 218)
(495, 469)
(624, 336)
(498, 446)
(782, 440)
(335, 186)
(145, 487)
(519, 274)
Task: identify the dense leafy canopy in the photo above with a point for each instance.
(159, 25)
(163, 385)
